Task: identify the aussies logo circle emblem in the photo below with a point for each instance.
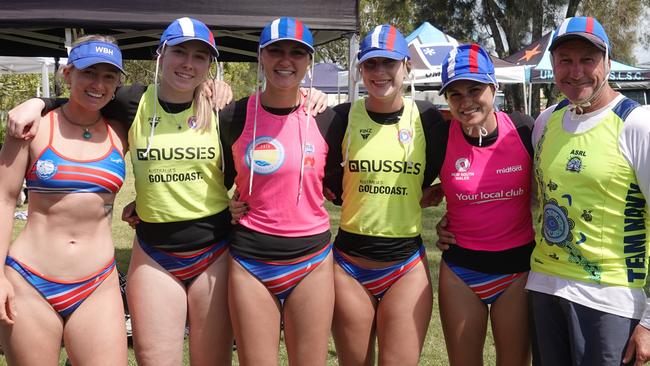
(191, 122)
(45, 169)
(462, 165)
(268, 154)
(557, 225)
(405, 135)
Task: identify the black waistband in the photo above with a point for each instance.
(376, 248)
(184, 236)
(513, 260)
(255, 245)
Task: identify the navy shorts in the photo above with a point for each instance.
(571, 334)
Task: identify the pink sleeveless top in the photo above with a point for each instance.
(274, 207)
(488, 189)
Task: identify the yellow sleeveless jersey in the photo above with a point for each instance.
(383, 174)
(594, 224)
(179, 179)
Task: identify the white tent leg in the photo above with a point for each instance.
(523, 85)
(353, 85)
(68, 39)
(530, 97)
(45, 81)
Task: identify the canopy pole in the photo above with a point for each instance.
(523, 85)
(68, 39)
(353, 85)
(530, 97)
(45, 81)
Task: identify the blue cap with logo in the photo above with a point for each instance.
(467, 62)
(384, 41)
(287, 29)
(188, 29)
(585, 28)
(95, 52)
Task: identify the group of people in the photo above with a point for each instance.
(588, 265)
(264, 261)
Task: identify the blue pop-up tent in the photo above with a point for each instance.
(428, 47)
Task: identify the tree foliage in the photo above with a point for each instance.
(14, 89)
(507, 26)
(139, 71)
(454, 17)
(621, 20)
(399, 13)
(241, 77)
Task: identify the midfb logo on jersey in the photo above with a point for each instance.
(365, 133)
(150, 119)
(268, 154)
(45, 169)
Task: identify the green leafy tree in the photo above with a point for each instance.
(621, 20)
(241, 77)
(458, 18)
(399, 13)
(506, 26)
(14, 89)
(139, 71)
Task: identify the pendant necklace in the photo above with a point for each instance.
(171, 113)
(86, 127)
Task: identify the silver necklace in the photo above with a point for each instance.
(86, 126)
(170, 112)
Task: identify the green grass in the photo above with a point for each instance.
(434, 352)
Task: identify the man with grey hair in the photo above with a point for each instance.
(592, 166)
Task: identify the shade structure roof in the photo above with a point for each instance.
(40, 28)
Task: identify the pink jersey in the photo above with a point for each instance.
(488, 189)
(274, 207)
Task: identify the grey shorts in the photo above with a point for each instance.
(567, 333)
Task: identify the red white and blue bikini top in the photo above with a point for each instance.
(54, 173)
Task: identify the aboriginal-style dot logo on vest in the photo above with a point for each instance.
(268, 155)
(462, 165)
(45, 169)
(557, 225)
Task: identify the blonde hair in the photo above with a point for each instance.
(202, 110)
(94, 37)
(202, 105)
